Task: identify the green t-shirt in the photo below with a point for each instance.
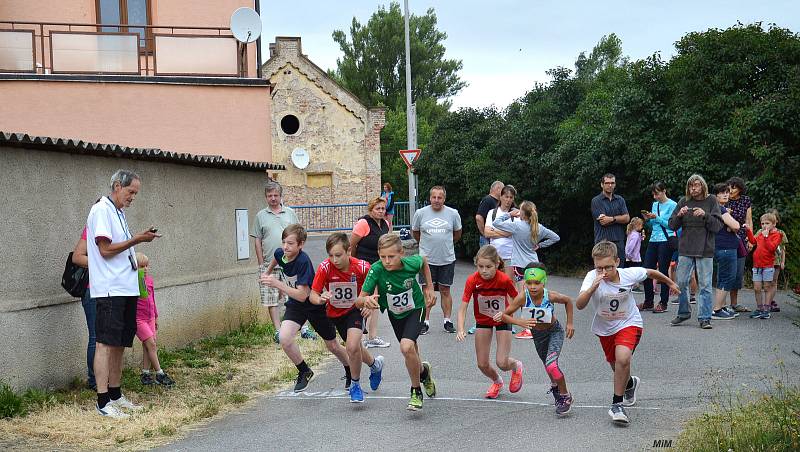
(398, 290)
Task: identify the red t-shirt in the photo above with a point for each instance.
(489, 296)
(343, 285)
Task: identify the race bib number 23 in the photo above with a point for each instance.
(400, 302)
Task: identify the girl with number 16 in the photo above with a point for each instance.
(490, 290)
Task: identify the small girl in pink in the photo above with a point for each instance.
(147, 326)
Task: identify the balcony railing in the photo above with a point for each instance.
(148, 50)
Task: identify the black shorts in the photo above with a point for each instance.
(409, 326)
(503, 327)
(314, 314)
(441, 275)
(116, 320)
(352, 319)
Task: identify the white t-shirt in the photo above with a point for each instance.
(613, 303)
(113, 276)
(504, 245)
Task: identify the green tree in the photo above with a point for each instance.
(373, 68)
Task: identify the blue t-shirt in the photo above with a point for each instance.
(299, 272)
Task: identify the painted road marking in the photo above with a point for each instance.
(338, 394)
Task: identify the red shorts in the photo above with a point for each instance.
(628, 336)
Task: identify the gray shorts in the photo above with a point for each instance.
(763, 274)
(548, 343)
(441, 275)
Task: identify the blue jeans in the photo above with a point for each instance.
(657, 257)
(726, 261)
(705, 270)
(482, 241)
(90, 310)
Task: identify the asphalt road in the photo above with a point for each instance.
(681, 369)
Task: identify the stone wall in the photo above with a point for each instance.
(341, 136)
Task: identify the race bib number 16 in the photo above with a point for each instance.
(491, 305)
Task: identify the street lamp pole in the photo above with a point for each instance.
(411, 123)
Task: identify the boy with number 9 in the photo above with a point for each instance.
(398, 291)
(617, 321)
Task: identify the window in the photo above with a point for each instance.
(319, 180)
(290, 124)
(126, 12)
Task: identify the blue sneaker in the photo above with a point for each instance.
(375, 375)
(356, 394)
(308, 334)
(472, 330)
(764, 315)
(756, 314)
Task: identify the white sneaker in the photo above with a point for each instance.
(111, 411)
(124, 403)
(618, 415)
(378, 342)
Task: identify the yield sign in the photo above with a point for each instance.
(410, 156)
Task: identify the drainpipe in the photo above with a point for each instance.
(258, 42)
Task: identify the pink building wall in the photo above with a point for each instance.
(232, 121)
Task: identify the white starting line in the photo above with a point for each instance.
(338, 394)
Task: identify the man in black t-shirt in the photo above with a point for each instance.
(489, 202)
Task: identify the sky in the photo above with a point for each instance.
(506, 46)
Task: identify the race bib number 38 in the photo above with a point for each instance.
(491, 305)
(400, 302)
(343, 294)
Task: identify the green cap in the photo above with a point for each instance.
(536, 274)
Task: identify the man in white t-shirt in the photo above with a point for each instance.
(617, 321)
(115, 287)
(436, 228)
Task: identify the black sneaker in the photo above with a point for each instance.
(678, 320)
(425, 328)
(554, 390)
(706, 324)
(347, 381)
(164, 380)
(147, 379)
(303, 379)
(448, 326)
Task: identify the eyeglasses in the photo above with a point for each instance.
(605, 269)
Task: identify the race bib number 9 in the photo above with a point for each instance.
(491, 305)
(613, 307)
(542, 314)
(343, 294)
(401, 302)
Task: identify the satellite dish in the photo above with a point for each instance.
(300, 158)
(245, 25)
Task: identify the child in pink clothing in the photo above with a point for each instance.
(147, 326)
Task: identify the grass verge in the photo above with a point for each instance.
(213, 376)
(770, 423)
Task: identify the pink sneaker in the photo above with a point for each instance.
(524, 334)
(494, 390)
(516, 378)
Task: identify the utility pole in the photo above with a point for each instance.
(411, 123)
